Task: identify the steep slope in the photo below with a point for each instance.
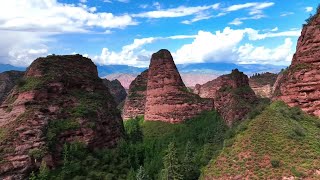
(168, 99)
(60, 100)
(135, 102)
(8, 80)
(262, 84)
(116, 89)
(299, 85)
(232, 95)
(280, 143)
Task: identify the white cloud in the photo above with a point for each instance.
(83, 1)
(133, 54)
(278, 55)
(275, 29)
(284, 14)
(157, 5)
(254, 35)
(198, 17)
(308, 9)
(52, 16)
(254, 8)
(176, 12)
(27, 25)
(239, 21)
(208, 47)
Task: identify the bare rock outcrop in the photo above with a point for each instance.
(168, 99)
(60, 100)
(232, 95)
(116, 89)
(135, 102)
(8, 80)
(299, 85)
(262, 84)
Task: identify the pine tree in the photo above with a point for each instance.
(32, 176)
(141, 174)
(44, 171)
(188, 164)
(172, 166)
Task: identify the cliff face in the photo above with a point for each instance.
(116, 89)
(135, 102)
(7, 81)
(299, 85)
(232, 95)
(168, 99)
(60, 100)
(262, 84)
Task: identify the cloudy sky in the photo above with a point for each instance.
(129, 31)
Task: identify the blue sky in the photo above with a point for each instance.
(128, 31)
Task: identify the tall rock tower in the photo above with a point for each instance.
(168, 99)
(299, 85)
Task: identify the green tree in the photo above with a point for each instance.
(131, 175)
(172, 165)
(32, 176)
(43, 172)
(141, 174)
(188, 164)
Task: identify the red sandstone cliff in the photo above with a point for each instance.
(299, 85)
(168, 99)
(135, 102)
(60, 100)
(232, 95)
(262, 84)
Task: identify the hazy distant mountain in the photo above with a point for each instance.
(8, 67)
(192, 74)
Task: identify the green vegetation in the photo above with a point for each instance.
(57, 127)
(279, 142)
(29, 83)
(147, 151)
(36, 153)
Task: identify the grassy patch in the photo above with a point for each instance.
(273, 142)
(30, 83)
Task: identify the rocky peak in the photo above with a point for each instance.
(232, 95)
(262, 84)
(135, 102)
(168, 99)
(8, 80)
(116, 89)
(60, 100)
(299, 85)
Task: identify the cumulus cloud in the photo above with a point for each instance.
(27, 25)
(278, 55)
(206, 46)
(52, 16)
(133, 54)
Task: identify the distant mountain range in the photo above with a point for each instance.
(192, 74)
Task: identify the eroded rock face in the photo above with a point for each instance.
(299, 85)
(116, 89)
(7, 81)
(60, 100)
(262, 84)
(135, 102)
(168, 99)
(232, 95)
